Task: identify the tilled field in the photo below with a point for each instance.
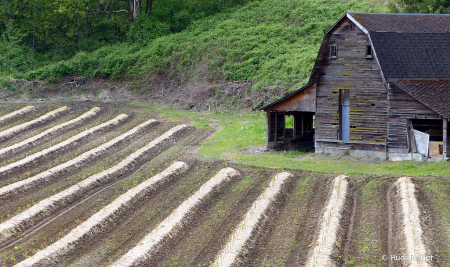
(117, 185)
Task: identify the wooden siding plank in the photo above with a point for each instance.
(304, 100)
(403, 107)
(368, 95)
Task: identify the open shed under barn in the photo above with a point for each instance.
(290, 120)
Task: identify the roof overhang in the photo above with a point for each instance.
(286, 97)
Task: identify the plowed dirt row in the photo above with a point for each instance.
(48, 207)
(72, 151)
(286, 239)
(39, 111)
(70, 114)
(102, 118)
(289, 238)
(13, 205)
(15, 115)
(48, 134)
(60, 147)
(44, 119)
(53, 231)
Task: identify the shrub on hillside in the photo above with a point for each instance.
(269, 43)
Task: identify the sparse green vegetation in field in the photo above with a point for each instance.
(242, 137)
(220, 139)
(439, 199)
(369, 233)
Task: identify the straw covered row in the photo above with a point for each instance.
(412, 230)
(102, 219)
(48, 206)
(233, 252)
(6, 134)
(47, 176)
(321, 252)
(16, 148)
(64, 144)
(149, 246)
(15, 114)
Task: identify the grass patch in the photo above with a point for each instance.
(347, 166)
(239, 136)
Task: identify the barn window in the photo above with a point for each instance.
(368, 51)
(333, 51)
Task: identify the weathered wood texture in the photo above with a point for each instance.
(276, 126)
(401, 108)
(353, 71)
(350, 145)
(304, 100)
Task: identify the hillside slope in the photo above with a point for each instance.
(268, 46)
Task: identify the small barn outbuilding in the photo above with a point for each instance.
(380, 87)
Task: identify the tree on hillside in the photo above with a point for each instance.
(420, 6)
(36, 32)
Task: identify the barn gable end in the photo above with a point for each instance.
(371, 89)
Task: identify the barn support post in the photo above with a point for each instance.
(303, 123)
(267, 128)
(446, 138)
(294, 128)
(276, 128)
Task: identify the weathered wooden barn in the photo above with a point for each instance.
(380, 87)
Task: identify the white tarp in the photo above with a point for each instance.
(422, 142)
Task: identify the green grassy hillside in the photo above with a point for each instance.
(270, 44)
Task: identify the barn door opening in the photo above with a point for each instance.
(426, 136)
(344, 114)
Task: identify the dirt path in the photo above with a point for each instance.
(351, 225)
(390, 225)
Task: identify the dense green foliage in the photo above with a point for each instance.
(420, 6)
(271, 43)
(36, 33)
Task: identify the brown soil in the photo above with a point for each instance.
(201, 95)
(6, 110)
(75, 149)
(285, 239)
(75, 175)
(429, 225)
